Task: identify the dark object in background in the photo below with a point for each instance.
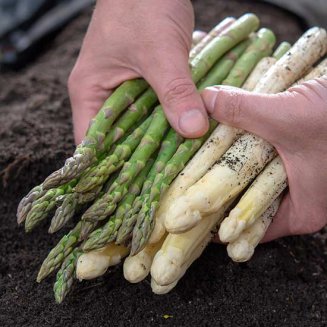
(313, 12)
(25, 23)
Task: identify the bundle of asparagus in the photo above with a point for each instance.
(144, 191)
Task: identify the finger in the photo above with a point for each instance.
(86, 98)
(262, 114)
(170, 77)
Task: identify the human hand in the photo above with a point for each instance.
(127, 39)
(294, 122)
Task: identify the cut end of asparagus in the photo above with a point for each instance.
(91, 265)
(240, 251)
(164, 270)
(136, 268)
(159, 289)
(231, 227)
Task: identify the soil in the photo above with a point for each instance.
(285, 284)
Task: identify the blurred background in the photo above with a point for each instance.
(27, 26)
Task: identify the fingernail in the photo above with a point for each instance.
(193, 121)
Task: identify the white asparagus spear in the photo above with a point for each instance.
(227, 178)
(242, 249)
(199, 199)
(217, 144)
(256, 200)
(260, 69)
(177, 251)
(164, 289)
(316, 72)
(310, 47)
(197, 36)
(95, 263)
(137, 267)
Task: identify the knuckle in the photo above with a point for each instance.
(178, 89)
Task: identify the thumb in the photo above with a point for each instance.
(263, 114)
(170, 78)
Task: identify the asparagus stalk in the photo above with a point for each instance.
(256, 200)
(100, 173)
(45, 204)
(64, 213)
(72, 203)
(231, 36)
(305, 52)
(65, 276)
(86, 153)
(164, 289)
(95, 263)
(281, 50)
(316, 72)
(260, 69)
(26, 203)
(264, 65)
(149, 144)
(145, 219)
(57, 255)
(167, 150)
(107, 233)
(222, 68)
(197, 36)
(260, 47)
(137, 267)
(211, 35)
(176, 253)
(242, 249)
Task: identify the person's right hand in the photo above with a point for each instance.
(127, 39)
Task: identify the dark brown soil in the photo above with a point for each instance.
(285, 284)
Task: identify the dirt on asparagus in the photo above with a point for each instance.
(285, 284)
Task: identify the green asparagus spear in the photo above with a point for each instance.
(167, 150)
(64, 213)
(148, 145)
(57, 255)
(65, 276)
(260, 47)
(45, 204)
(86, 153)
(107, 233)
(230, 37)
(222, 68)
(281, 50)
(25, 204)
(145, 223)
(100, 173)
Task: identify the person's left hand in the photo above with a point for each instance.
(294, 122)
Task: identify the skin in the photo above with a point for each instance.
(294, 122)
(151, 39)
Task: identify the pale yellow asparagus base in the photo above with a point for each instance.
(242, 249)
(256, 200)
(137, 267)
(95, 263)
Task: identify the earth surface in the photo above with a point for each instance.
(285, 284)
